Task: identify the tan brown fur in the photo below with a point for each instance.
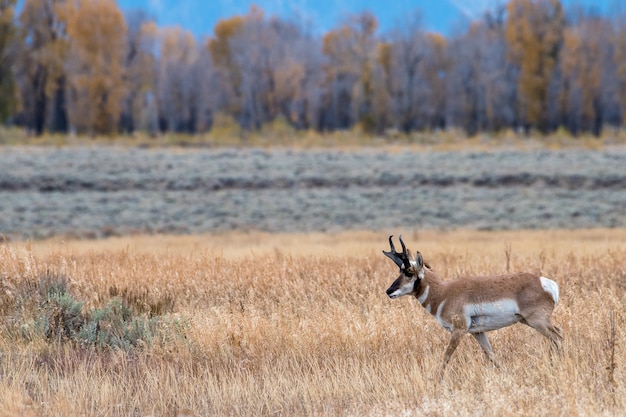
(522, 295)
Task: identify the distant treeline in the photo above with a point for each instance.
(83, 66)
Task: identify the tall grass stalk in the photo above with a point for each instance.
(300, 325)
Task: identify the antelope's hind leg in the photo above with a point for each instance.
(543, 324)
(483, 341)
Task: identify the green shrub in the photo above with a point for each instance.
(116, 326)
(44, 307)
(61, 317)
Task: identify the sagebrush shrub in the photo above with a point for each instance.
(46, 308)
(61, 317)
(115, 325)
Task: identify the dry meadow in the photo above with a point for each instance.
(252, 324)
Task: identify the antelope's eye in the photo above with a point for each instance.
(407, 272)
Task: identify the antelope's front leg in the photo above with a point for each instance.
(455, 339)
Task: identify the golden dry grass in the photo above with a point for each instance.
(280, 134)
(301, 325)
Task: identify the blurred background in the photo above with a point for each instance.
(310, 116)
(104, 67)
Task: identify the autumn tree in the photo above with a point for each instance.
(296, 74)
(207, 90)
(8, 37)
(434, 72)
(340, 79)
(619, 59)
(408, 46)
(354, 72)
(272, 70)
(534, 32)
(252, 50)
(177, 92)
(268, 66)
(481, 81)
(139, 110)
(362, 49)
(585, 60)
(95, 65)
(80, 65)
(301, 105)
(226, 69)
(40, 65)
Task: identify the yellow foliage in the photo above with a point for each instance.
(177, 45)
(534, 30)
(219, 47)
(438, 41)
(334, 45)
(97, 33)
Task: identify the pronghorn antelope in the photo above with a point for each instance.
(477, 305)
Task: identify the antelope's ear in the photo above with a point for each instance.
(419, 265)
(416, 261)
(419, 261)
(415, 264)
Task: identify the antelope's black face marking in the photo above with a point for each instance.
(403, 285)
(411, 270)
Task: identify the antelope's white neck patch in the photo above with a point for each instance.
(441, 321)
(422, 298)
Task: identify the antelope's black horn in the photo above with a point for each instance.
(393, 255)
(404, 251)
(393, 249)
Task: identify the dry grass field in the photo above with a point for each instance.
(251, 324)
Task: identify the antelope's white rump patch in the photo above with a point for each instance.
(551, 288)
